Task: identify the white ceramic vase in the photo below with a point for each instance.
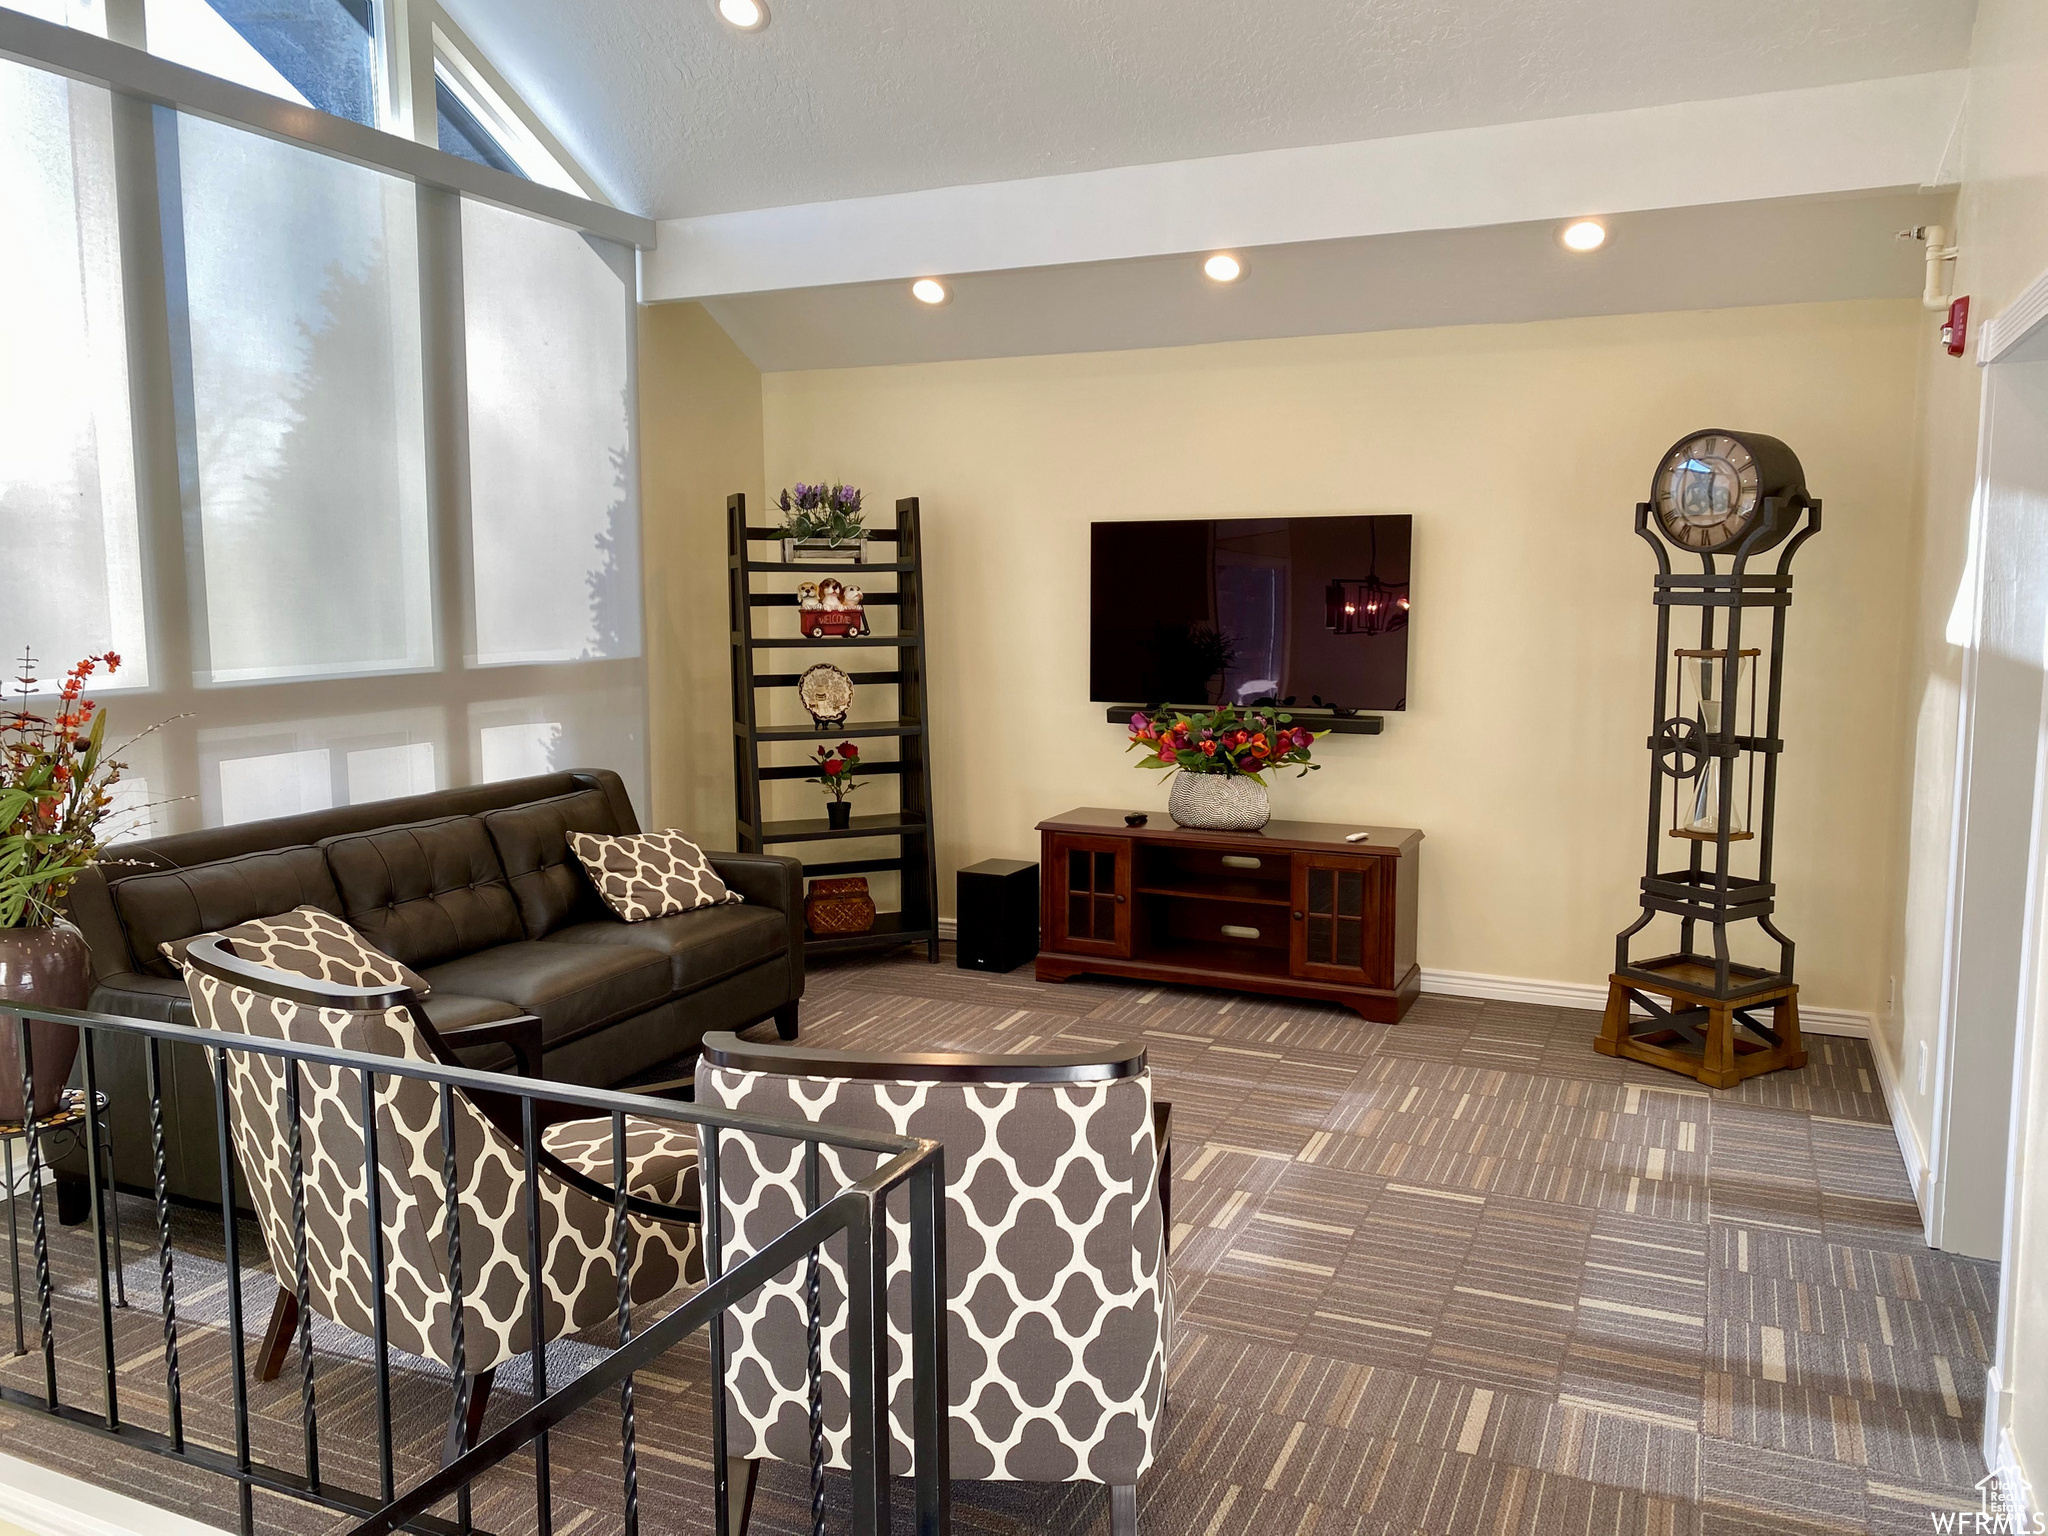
(1218, 802)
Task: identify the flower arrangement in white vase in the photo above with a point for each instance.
(1219, 761)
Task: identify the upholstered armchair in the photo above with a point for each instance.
(1059, 1306)
(379, 1016)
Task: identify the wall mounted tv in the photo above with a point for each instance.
(1254, 610)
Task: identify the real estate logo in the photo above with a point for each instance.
(2005, 1508)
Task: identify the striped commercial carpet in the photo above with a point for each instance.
(1460, 1274)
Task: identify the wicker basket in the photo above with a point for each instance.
(838, 906)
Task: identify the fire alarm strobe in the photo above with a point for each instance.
(1957, 326)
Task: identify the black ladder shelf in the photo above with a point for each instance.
(916, 860)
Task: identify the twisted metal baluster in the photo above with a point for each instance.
(537, 1316)
(711, 1230)
(373, 1186)
(625, 1282)
(302, 1288)
(13, 1240)
(174, 1393)
(814, 1337)
(33, 1130)
(100, 1184)
(231, 1246)
(458, 1353)
(104, 1128)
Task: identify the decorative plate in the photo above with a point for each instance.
(826, 692)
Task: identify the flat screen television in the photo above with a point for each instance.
(1254, 610)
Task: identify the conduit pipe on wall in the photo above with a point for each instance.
(1935, 295)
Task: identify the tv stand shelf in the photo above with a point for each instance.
(1292, 910)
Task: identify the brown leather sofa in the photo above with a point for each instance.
(475, 889)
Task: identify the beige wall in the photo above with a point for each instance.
(700, 440)
(2001, 226)
(1521, 451)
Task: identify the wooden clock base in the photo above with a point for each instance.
(1720, 1041)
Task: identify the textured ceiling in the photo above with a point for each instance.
(675, 113)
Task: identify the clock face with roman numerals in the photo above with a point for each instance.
(1707, 492)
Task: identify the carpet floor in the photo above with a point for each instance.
(1460, 1274)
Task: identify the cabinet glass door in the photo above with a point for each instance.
(1091, 895)
(1338, 911)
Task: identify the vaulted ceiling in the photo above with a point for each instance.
(677, 114)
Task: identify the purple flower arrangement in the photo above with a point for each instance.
(821, 511)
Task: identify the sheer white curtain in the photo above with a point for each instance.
(72, 579)
(338, 603)
(549, 357)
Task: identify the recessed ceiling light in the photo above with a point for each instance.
(747, 15)
(1223, 268)
(928, 290)
(1585, 235)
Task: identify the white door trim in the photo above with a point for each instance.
(1998, 779)
(2019, 334)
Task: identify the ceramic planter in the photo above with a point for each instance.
(1218, 802)
(824, 552)
(48, 966)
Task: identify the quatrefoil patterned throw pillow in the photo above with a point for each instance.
(309, 942)
(650, 874)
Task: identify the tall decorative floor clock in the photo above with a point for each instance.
(1728, 498)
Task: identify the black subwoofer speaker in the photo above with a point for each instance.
(997, 902)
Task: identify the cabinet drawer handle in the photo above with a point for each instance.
(1239, 861)
(1239, 931)
(1120, 898)
(1296, 916)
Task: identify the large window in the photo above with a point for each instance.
(375, 528)
(550, 343)
(319, 52)
(302, 292)
(72, 582)
(463, 133)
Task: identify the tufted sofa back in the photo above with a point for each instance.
(163, 888)
(533, 846)
(160, 906)
(425, 893)
(1058, 1301)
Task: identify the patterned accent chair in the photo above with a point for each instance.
(233, 995)
(1060, 1308)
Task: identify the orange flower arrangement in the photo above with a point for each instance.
(1226, 741)
(56, 790)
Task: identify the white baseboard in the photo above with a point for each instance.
(2022, 1512)
(1592, 996)
(51, 1504)
(1910, 1150)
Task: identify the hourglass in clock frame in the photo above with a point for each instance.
(1727, 498)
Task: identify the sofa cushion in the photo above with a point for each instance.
(571, 988)
(162, 905)
(533, 846)
(650, 874)
(309, 942)
(701, 947)
(427, 892)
